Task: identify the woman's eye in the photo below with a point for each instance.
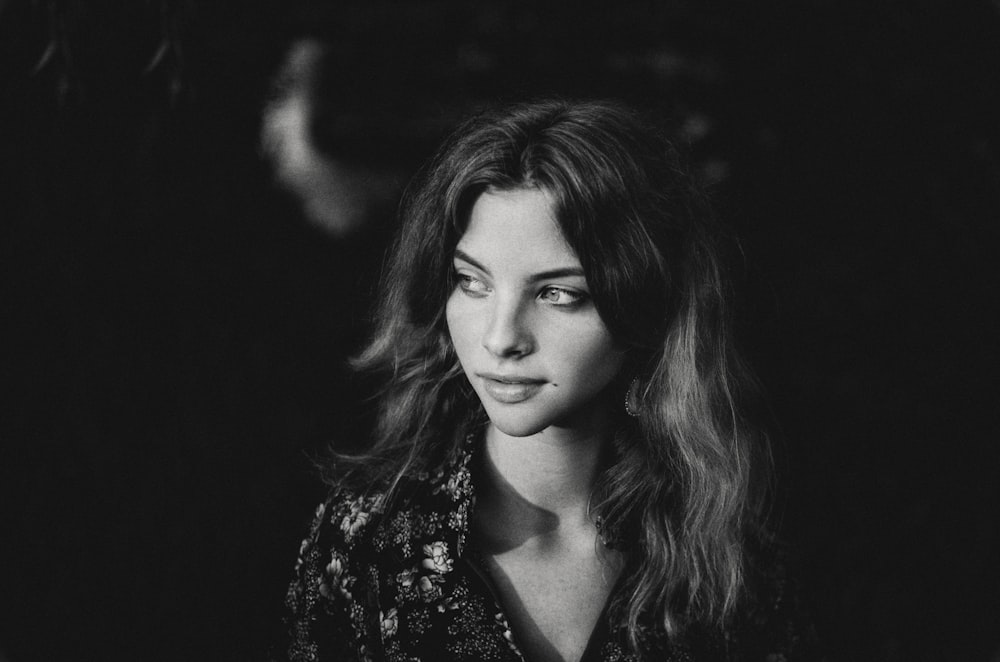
(471, 285)
(558, 296)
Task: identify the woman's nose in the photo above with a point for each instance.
(508, 334)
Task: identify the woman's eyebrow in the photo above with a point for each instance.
(465, 257)
(562, 272)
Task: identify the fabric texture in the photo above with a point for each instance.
(402, 585)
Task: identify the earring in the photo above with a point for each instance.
(608, 535)
(632, 398)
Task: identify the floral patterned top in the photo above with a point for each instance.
(404, 586)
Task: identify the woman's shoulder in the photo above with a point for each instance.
(411, 535)
(326, 599)
(319, 597)
(354, 516)
(339, 525)
(345, 515)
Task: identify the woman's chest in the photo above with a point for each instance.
(554, 602)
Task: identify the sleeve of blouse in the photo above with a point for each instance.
(318, 619)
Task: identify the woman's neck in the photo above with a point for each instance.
(537, 489)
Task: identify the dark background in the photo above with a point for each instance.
(177, 324)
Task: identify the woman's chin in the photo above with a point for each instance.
(524, 421)
(516, 421)
(516, 428)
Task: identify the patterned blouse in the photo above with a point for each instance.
(404, 586)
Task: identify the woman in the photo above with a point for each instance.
(562, 469)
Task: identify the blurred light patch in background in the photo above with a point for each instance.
(336, 196)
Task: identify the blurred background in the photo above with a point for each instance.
(195, 201)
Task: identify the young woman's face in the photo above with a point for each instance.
(522, 320)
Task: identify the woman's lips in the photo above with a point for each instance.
(510, 390)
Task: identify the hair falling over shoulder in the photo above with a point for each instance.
(685, 487)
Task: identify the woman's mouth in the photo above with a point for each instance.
(510, 389)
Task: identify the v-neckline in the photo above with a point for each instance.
(598, 635)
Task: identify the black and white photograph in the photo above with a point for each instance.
(500, 331)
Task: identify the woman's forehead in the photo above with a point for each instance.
(516, 227)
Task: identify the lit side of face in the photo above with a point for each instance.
(522, 320)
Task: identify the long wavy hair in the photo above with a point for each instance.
(681, 488)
